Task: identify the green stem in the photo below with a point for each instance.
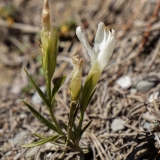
(48, 87)
(71, 118)
(80, 123)
(55, 121)
(49, 94)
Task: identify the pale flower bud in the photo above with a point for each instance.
(46, 25)
(75, 85)
(49, 40)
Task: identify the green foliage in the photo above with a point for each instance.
(40, 117)
(37, 89)
(86, 93)
(42, 141)
(87, 125)
(57, 85)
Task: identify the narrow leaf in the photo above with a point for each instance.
(86, 93)
(40, 142)
(87, 125)
(41, 94)
(91, 96)
(39, 135)
(75, 129)
(71, 115)
(57, 85)
(76, 111)
(40, 117)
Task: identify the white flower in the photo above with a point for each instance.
(104, 43)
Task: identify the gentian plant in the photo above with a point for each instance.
(69, 135)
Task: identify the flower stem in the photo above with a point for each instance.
(48, 87)
(55, 121)
(80, 123)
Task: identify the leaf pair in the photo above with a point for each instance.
(54, 90)
(42, 141)
(41, 94)
(45, 100)
(40, 117)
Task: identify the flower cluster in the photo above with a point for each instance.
(100, 54)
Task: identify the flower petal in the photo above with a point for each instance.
(100, 38)
(83, 40)
(100, 33)
(106, 50)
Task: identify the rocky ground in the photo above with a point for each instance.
(122, 127)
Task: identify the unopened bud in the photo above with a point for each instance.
(75, 85)
(49, 40)
(46, 25)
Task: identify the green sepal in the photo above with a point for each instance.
(86, 93)
(73, 109)
(83, 130)
(42, 141)
(57, 85)
(40, 117)
(41, 94)
(71, 120)
(90, 97)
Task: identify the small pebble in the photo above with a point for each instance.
(23, 116)
(124, 82)
(117, 124)
(133, 91)
(144, 86)
(147, 126)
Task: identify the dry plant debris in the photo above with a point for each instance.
(137, 55)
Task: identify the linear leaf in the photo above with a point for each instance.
(72, 113)
(76, 111)
(42, 141)
(75, 130)
(87, 125)
(40, 117)
(57, 85)
(41, 94)
(39, 135)
(86, 93)
(91, 96)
